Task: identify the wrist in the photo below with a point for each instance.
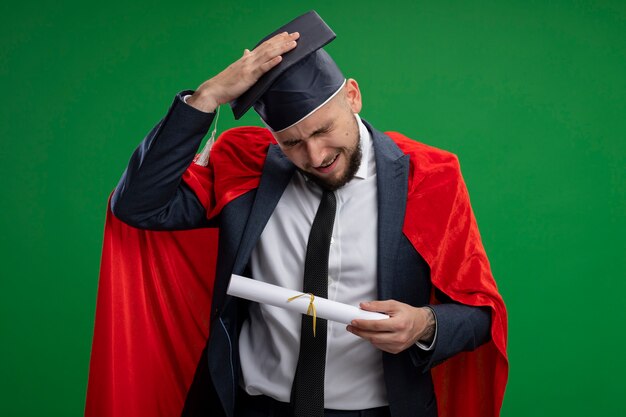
(428, 332)
(204, 100)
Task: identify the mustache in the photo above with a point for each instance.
(328, 161)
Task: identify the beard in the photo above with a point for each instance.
(354, 156)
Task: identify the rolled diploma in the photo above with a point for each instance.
(265, 293)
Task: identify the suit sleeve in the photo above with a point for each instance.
(459, 328)
(151, 193)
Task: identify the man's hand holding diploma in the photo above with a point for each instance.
(406, 325)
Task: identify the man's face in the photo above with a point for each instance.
(325, 145)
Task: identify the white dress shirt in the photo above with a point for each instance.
(269, 342)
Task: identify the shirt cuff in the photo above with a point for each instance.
(186, 96)
(432, 344)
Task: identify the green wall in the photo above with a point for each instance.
(530, 94)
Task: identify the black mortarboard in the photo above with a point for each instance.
(304, 80)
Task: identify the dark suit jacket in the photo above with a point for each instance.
(151, 195)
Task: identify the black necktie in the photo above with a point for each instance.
(307, 391)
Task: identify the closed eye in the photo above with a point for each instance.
(323, 130)
(291, 143)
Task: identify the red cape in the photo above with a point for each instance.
(155, 289)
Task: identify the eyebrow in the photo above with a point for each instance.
(324, 129)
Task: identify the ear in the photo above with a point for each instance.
(353, 95)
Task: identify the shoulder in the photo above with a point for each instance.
(427, 162)
(421, 152)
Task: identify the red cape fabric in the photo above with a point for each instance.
(155, 289)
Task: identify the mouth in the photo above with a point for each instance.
(325, 168)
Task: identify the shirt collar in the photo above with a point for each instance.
(366, 146)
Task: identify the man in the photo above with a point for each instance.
(331, 198)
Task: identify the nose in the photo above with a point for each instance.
(315, 152)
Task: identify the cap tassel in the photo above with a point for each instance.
(203, 157)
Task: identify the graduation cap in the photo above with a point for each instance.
(302, 82)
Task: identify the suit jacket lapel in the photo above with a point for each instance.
(392, 171)
(277, 173)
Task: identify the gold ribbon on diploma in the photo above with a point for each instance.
(311, 310)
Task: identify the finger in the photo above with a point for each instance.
(379, 338)
(380, 306)
(276, 39)
(364, 334)
(283, 36)
(277, 45)
(271, 63)
(277, 49)
(385, 325)
(387, 341)
(270, 58)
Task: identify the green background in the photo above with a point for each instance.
(530, 94)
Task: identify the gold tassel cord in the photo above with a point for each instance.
(311, 310)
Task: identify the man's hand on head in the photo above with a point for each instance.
(242, 74)
(405, 326)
